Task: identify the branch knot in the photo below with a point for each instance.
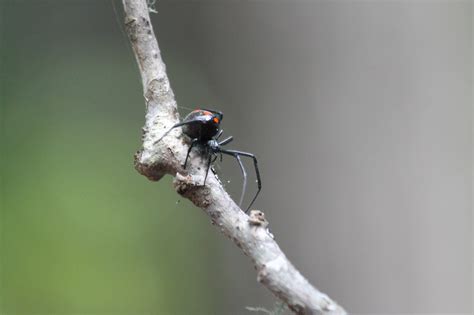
(187, 187)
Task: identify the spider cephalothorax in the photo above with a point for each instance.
(203, 127)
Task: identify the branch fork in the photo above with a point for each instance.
(156, 159)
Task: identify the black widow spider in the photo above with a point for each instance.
(203, 127)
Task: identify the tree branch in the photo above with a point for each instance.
(155, 160)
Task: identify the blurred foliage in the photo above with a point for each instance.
(82, 231)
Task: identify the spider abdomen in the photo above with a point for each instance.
(204, 127)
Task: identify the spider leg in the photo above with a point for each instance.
(176, 126)
(226, 140)
(244, 174)
(257, 172)
(193, 143)
(209, 161)
(219, 134)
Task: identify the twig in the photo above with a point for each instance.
(155, 160)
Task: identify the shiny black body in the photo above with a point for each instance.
(203, 127)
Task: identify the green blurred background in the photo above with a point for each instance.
(82, 231)
(360, 113)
